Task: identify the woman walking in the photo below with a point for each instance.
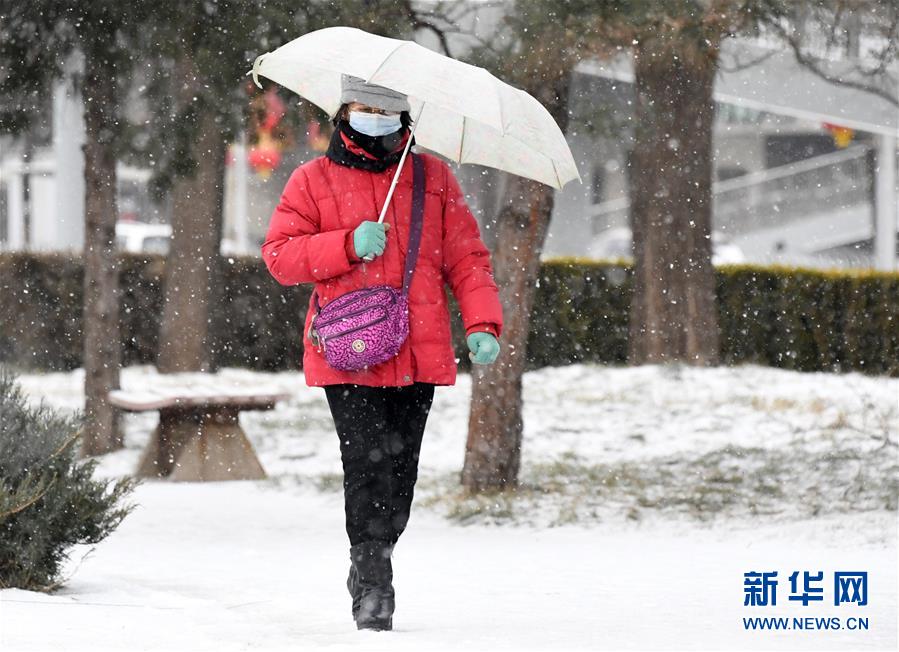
(325, 231)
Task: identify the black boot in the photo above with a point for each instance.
(371, 580)
(352, 585)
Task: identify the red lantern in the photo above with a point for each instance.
(842, 136)
(265, 156)
(274, 110)
(316, 140)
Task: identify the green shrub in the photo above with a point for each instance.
(799, 319)
(580, 313)
(810, 320)
(48, 499)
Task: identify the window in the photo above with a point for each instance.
(156, 244)
(729, 172)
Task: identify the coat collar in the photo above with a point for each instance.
(354, 149)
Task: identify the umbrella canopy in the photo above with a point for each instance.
(467, 114)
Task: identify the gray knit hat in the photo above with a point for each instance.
(355, 89)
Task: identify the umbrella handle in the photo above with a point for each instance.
(396, 174)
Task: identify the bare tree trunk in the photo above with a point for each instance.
(493, 451)
(495, 423)
(193, 261)
(673, 313)
(102, 346)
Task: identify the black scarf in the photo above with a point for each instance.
(383, 148)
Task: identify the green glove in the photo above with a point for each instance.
(484, 348)
(369, 238)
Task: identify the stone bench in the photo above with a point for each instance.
(198, 437)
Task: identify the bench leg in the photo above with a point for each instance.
(219, 451)
(201, 446)
(175, 427)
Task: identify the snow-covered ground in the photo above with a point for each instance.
(647, 493)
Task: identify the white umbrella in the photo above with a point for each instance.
(462, 111)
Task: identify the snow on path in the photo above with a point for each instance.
(239, 566)
(244, 566)
(610, 443)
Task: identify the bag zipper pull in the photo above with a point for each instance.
(314, 336)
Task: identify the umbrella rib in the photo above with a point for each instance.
(556, 172)
(384, 61)
(499, 101)
(461, 141)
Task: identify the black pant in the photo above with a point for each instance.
(380, 430)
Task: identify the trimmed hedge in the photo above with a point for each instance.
(800, 319)
(810, 320)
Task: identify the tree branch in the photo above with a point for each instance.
(743, 65)
(811, 64)
(419, 21)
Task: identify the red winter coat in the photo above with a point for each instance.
(310, 240)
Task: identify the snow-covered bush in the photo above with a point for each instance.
(49, 500)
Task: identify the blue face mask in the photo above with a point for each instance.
(374, 124)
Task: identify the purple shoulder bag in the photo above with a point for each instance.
(367, 326)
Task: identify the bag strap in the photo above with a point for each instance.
(418, 210)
